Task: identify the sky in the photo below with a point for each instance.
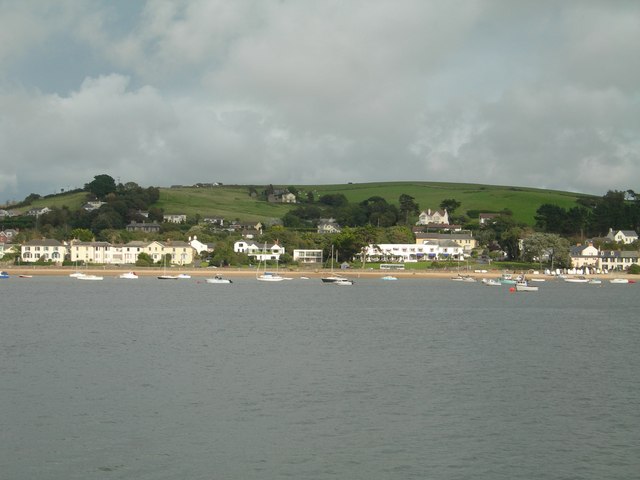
(539, 94)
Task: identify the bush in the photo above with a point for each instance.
(634, 269)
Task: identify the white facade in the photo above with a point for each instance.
(623, 236)
(428, 217)
(47, 249)
(260, 252)
(174, 218)
(307, 256)
(411, 252)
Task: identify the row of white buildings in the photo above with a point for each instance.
(181, 253)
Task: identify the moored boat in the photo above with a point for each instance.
(4, 274)
(580, 279)
(218, 279)
(129, 275)
(89, 277)
(523, 286)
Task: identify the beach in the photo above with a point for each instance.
(295, 273)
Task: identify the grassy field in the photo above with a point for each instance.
(233, 201)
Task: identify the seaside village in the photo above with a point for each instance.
(448, 242)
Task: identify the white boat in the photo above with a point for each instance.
(167, 277)
(580, 279)
(218, 279)
(89, 277)
(129, 275)
(333, 277)
(389, 278)
(183, 276)
(491, 282)
(343, 282)
(267, 276)
(619, 280)
(523, 286)
(76, 274)
(463, 278)
(537, 280)
(595, 281)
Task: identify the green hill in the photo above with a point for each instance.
(234, 201)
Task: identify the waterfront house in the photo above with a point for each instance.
(411, 252)
(585, 256)
(465, 240)
(307, 256)
(47, 249)
(260, 252)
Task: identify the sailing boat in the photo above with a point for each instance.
(164, 275)
(333, 278)
(267, 276)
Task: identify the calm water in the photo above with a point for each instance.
(150, 379)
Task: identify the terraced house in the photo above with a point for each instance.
(47, 249)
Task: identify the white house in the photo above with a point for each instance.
(465, 240)
(328, 225)
(307, 256)
(47, 248)
(618, 260)
(198, 246)
(585, 256)
(622, 236)
(438, 217)
(411, 252)
(260, 252)
(175, 218)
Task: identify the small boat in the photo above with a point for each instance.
(580, 279)
(25, 276)
(389, 278)
(619, 280)
(269, 277)
(463, 278)
(507, 279)
(4, 274)
(304, 278)
(537, 280)
(523, 286)
(218, 279)
(595, 281)
(129, 275)
(89, 277)
(183, 276)
(491, 282)
(343, 282)
(76, 274)
(167, 277)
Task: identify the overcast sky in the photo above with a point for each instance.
(529, 93)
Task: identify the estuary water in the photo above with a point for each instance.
(424, 379)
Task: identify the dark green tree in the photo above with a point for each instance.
(450, 204)
(408, 207)
(101, 185)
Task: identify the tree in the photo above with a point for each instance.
(82, 234)
(408, 207)
(538, 245)
(101, 185)
(550, 218)
(450, 204)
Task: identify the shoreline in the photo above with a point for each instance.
(315, 273)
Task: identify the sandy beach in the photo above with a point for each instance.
(236, 272)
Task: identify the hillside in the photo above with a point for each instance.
(234, 202)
